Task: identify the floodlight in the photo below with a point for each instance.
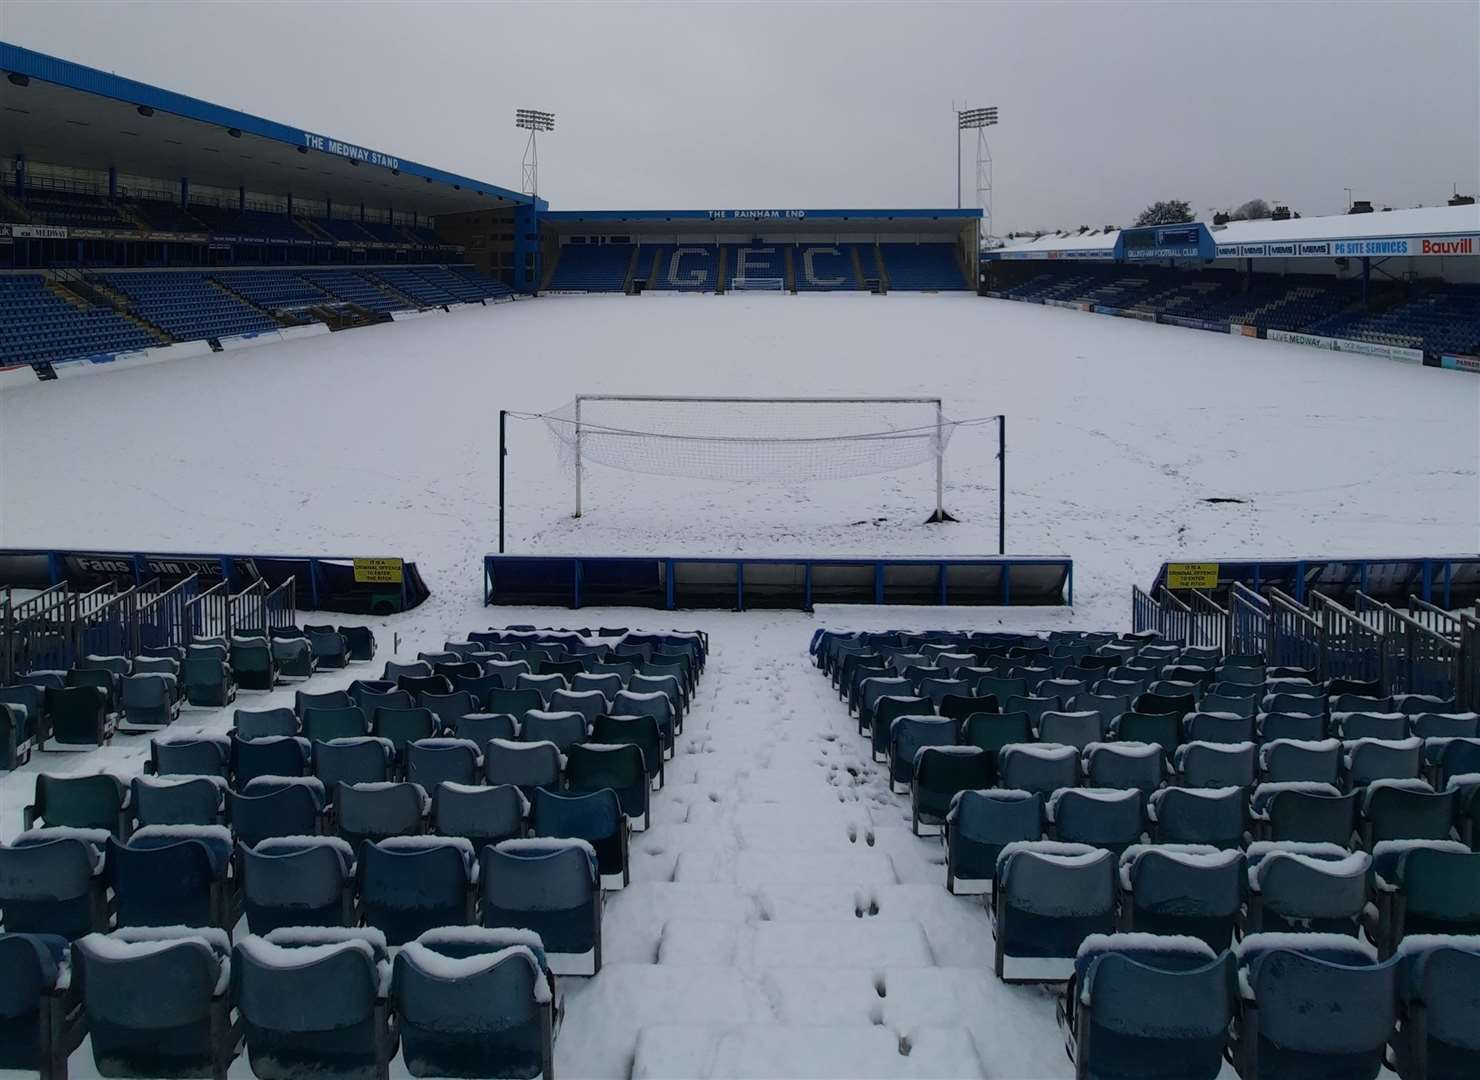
(534, 120)
(970, 119)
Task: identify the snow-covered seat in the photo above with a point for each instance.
(1191, 889)
(297, 881)
(551, 887)
(410, 884)
(1048, 898)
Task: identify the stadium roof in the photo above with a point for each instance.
(1430, 230)
(1424, 221)
(63, 113)
(657, 221)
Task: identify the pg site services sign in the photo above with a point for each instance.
(378, 571)
(1192, 575)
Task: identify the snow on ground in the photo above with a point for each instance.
(782, 920)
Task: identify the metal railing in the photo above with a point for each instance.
(37, 632)
(1210, 621)
(1145, 612)
(103, 622)
(161, 616)
(1353, 646)
(1467, 693)
(1436, 619)
(280, 605)
(246, 615)
(209, 614)
(1296, 637)
(1415, 659)
(1248, 621)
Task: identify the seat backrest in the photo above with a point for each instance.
(141, 996)
(1304, 887)
(1277, 725)
(1130, 997)
(1040, 767)
(1077, 729)
(564, 729)
(375, 811)
(339, 722)
(479, 727)
(514, 702)
(264, 723)
(593, 766)
(1103, 817)
(203, 756)
(1398, 813)
(1073, 881)
(393, 671)
(526, 764)
(292, 810)
(1125, 765)
(484, 815)
(1216, 764)
(323, 989)
(593, 815)
(1286, 984)
(403, 726)
(186, 800)
(1442, 973)
(1200, 815)
(1295, 760)
(1370, 725)
(1218, 728)
(538, 875)
(330, 699)
(166, 885)
(1374, 759)
(1313, 817)
(357, 760)
(272, 756)
(997, 816)
(447, 708)
(82, 802)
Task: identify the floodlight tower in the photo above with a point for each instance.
(978, 120)
(533, 121)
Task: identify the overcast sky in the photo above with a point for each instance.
(1105, 106)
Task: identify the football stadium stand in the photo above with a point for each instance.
(824, 268)
(1401, 284)
(185, 304)
(592, 268)
(915, 267)
(39, 324)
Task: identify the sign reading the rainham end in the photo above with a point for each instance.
(756, 215)
(378, 571)
(349, 150)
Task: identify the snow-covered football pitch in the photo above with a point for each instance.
(782, 921)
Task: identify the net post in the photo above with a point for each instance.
(503, 417)
(940, 467)
(578, 456)
(1002, 484)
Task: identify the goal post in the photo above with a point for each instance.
(758, 284)
(940, 437)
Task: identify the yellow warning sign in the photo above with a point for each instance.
(378, 571)
(1192, 575)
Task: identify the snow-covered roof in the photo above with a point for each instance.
(1424, 221)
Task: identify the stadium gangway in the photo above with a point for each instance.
(740, 583)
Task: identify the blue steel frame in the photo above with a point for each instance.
(739, 563)
(1431, 573)
(227, 563)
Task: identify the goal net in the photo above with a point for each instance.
(767, 440)
(758, 284)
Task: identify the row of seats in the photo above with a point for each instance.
(477, 887)
(38, 325)
(1444, 319)
(301, 1001)
(1169, 836)
(48, 206)
(1191, 926)
(85, 705)
(815, 267)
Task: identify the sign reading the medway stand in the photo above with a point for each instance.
(378, 571)
(1192, 575)
(348, 150)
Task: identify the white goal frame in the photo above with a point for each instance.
(940, 426)
(761, 284)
